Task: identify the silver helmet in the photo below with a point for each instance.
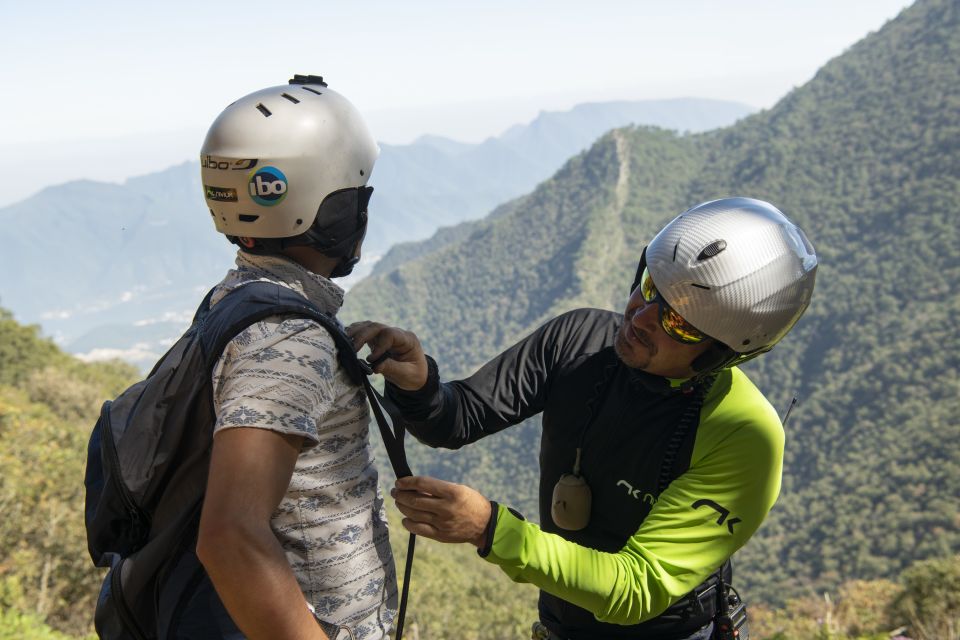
(273, 158)
(737, 269)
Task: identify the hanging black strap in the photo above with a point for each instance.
(668, 473)
(392, 433)
(689, 418)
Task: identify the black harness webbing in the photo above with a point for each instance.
(392, 434)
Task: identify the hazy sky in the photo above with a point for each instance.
(106, 90)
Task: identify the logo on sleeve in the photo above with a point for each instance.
(719, 509)
(268, 186)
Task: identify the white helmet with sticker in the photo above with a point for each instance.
(284, 160)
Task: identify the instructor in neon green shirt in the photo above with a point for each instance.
(659, 458)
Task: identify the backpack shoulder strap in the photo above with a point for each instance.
(254, 301)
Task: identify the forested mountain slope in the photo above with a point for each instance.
(865, 158)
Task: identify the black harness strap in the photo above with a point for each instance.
(668, 473)
(392, 431)
(393, 440)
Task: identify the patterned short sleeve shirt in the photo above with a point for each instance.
(282, 374)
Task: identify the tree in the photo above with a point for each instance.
(930, 602)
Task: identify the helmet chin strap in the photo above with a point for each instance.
(344, 267)
(717, 356)
(349, 260)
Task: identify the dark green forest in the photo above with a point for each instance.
(864, 157)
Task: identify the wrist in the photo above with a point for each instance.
(420, 386)
(418, 380)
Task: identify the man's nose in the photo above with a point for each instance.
(645, 315)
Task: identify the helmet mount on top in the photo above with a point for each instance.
(288, 166)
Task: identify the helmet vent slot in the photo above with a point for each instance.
(699, 286)
(262, 109)
(675, 247)
(312, 90)
(290, 98)
(712, 249)
(248, 217)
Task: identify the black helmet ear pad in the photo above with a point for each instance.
(341, 222)
(339, 225)
(717, 356)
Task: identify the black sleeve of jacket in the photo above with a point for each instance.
(505, 391)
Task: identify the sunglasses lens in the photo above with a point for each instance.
(672, 322)
(677, 327)
(647, 288)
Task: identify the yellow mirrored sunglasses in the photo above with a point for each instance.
(671, 321)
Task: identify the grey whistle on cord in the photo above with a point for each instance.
(570, 507)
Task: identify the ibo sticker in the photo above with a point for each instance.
(268, 186)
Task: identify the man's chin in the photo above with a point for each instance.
(627, 354)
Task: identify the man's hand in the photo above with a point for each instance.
(405, 364)
(442, 511)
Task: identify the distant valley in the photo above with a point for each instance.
(116, 270)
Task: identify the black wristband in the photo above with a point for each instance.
(491, 529)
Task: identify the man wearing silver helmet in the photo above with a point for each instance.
(658, 459)
(293, 530)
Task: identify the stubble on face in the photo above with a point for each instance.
(634, 347)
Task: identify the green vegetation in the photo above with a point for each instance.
(864, 157)
(18, 626)
(48, 585)
(48, 403)
(455, 594)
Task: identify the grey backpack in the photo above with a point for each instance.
(149, 454)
